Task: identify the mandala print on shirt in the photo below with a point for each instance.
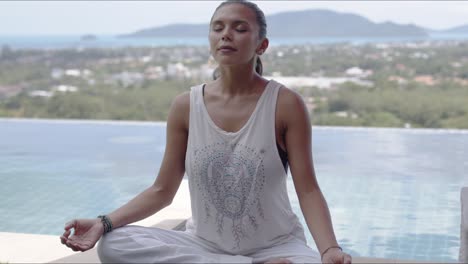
(231, 180)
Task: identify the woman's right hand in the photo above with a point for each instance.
(86, 234)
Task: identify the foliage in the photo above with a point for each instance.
(419, 107)
(389, 103)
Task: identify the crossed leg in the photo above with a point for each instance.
(136, 244)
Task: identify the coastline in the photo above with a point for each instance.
(163, 124)
(55, 42)
(33, 248)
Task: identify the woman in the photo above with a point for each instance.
(235, 138)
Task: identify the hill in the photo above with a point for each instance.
(301, 24)
(456, 30)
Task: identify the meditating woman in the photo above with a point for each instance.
(235, 137)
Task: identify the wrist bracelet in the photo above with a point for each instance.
(325, 251)
(106, 222)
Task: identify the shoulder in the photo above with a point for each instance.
(180, 110)
(293, 115)
(182, 101)
(290, 105)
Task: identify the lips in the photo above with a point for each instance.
(227, 48)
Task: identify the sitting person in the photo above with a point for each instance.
(235, 138)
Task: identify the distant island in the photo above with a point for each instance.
(301, 24)
(456, 30)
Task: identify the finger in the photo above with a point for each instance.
(66, 234)
(79, 243)
(326, 259)
(347, 259)
(74, 239)
(69, 244)
(81, 246)
(78, 246)
(72, 245)
(70, 224)
(85, 246)
(63, 240)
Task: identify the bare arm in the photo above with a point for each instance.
(156, 197)
(172, 170)
(298, 131)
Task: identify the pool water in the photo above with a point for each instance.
(392, 193)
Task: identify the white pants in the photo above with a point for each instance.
(136, 244)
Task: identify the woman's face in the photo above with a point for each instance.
(234, 35)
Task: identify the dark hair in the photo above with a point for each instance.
(261, 21)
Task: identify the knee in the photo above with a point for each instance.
(104, 249)
(108, 246)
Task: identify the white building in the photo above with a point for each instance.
(73, 72)
(178, 70)
(40, 93)
(354, 71)
(155, 73)
(129, 78)
(66, 88)
(319, 82)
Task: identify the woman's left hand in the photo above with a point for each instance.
(335, 255)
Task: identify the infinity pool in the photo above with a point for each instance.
(392, 193)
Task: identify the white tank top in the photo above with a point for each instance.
(237, 180)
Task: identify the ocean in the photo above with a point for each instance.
(108, 41)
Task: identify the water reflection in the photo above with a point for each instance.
(392, 193)
(388, 189)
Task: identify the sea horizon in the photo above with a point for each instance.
(48, 41)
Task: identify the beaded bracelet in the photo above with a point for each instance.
(106, 222)
(325, 251)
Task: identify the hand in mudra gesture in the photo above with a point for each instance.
(86, 234)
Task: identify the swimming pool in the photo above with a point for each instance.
(392, 193)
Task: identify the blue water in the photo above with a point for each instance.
(392, 193)
(106, 41)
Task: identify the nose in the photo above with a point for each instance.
(226, 35)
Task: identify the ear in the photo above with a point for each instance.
(262, 46)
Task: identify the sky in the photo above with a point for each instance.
(118, 17)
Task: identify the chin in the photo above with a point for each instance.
(230, 61)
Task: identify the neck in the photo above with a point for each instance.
(239, 79)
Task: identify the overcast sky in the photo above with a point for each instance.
(109, 17)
